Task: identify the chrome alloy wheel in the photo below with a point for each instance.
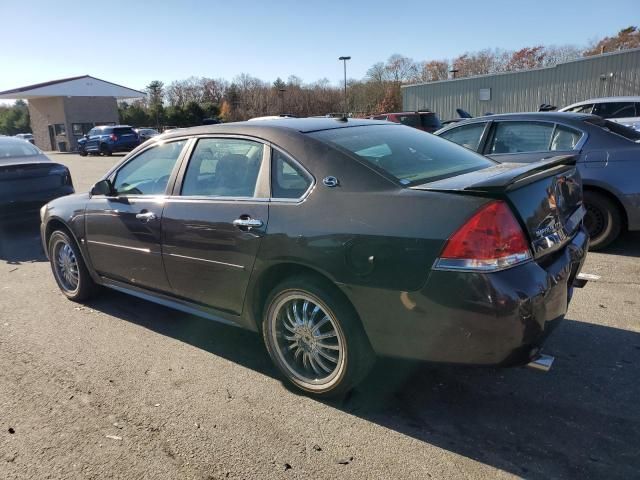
(308, 340)
(66, 266)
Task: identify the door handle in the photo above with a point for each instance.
(247, 222)
(146, 216)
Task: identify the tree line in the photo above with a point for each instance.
(188, 102)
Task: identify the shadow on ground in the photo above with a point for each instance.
(20, 242)
(578, 421)
(628, 245)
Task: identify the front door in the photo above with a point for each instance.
(123, 231)
(213, 225)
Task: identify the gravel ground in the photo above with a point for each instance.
(121, 388)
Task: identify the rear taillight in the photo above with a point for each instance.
(490, 240)
(113, 137)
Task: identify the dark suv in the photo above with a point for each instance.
(108, 139)
(427, 121)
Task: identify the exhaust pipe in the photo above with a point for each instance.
(541, 362)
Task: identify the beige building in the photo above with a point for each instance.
(64, 110)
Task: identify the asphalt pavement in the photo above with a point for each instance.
(121, 388)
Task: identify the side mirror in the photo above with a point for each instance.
(103, 187)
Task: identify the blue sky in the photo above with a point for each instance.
(132, 42)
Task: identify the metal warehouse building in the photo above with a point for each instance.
(610, 74)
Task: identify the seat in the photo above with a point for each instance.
(232, 177)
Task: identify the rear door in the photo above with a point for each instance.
(123, 231)
(214, 221)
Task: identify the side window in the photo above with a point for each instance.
(582, 108)
(223, 167)
(564, 138)
(466, 135)
(287, 179)
(615, 109)
(148, 173)
(520, 137)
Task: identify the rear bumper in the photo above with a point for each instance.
(473, 318)
(29, 204)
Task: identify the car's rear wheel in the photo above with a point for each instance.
(603, 220)
(104, 150)
(68, 267)
(315, 338)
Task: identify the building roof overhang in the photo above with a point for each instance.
(82, 86)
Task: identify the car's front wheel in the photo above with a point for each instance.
(68, 267)
(82, 152)
(314, 337)
(603, 220)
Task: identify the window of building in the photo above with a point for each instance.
(288, 180)
(80, 129)
(221, 167)
(60, 129)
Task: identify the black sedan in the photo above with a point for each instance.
(338, 239)
(28, 179)
(608, 158)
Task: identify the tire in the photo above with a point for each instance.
(82, 153)
(322, 348)
(64, 256)
(603, 220)
(104, 150)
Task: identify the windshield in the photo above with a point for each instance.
(622, 130)
(410, 156)
(17, 149)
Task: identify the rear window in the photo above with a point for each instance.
(17, 149)
(626, 132)
(410, 120)
(410, 156)
(430, 120)
(123, 130)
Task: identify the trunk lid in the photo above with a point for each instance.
(546, 196)
(21, 178)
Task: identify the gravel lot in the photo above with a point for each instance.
(126, 389)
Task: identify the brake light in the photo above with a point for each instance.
(490, 240)
(113, 137)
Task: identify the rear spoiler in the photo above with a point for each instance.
(503, 177)
(527, 173)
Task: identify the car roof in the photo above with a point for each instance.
(302, 125)
(113, 126)
(547, 116)
(604, 100)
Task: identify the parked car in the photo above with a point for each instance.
(427, 121)
(623, 110)
(146, 133)
(28, 179)
(26, 136)
(108, 139)
(338, 239)
(608, 159)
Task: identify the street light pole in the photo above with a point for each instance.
(346, 106)
(281, 91)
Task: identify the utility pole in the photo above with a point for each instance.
(346, 104)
